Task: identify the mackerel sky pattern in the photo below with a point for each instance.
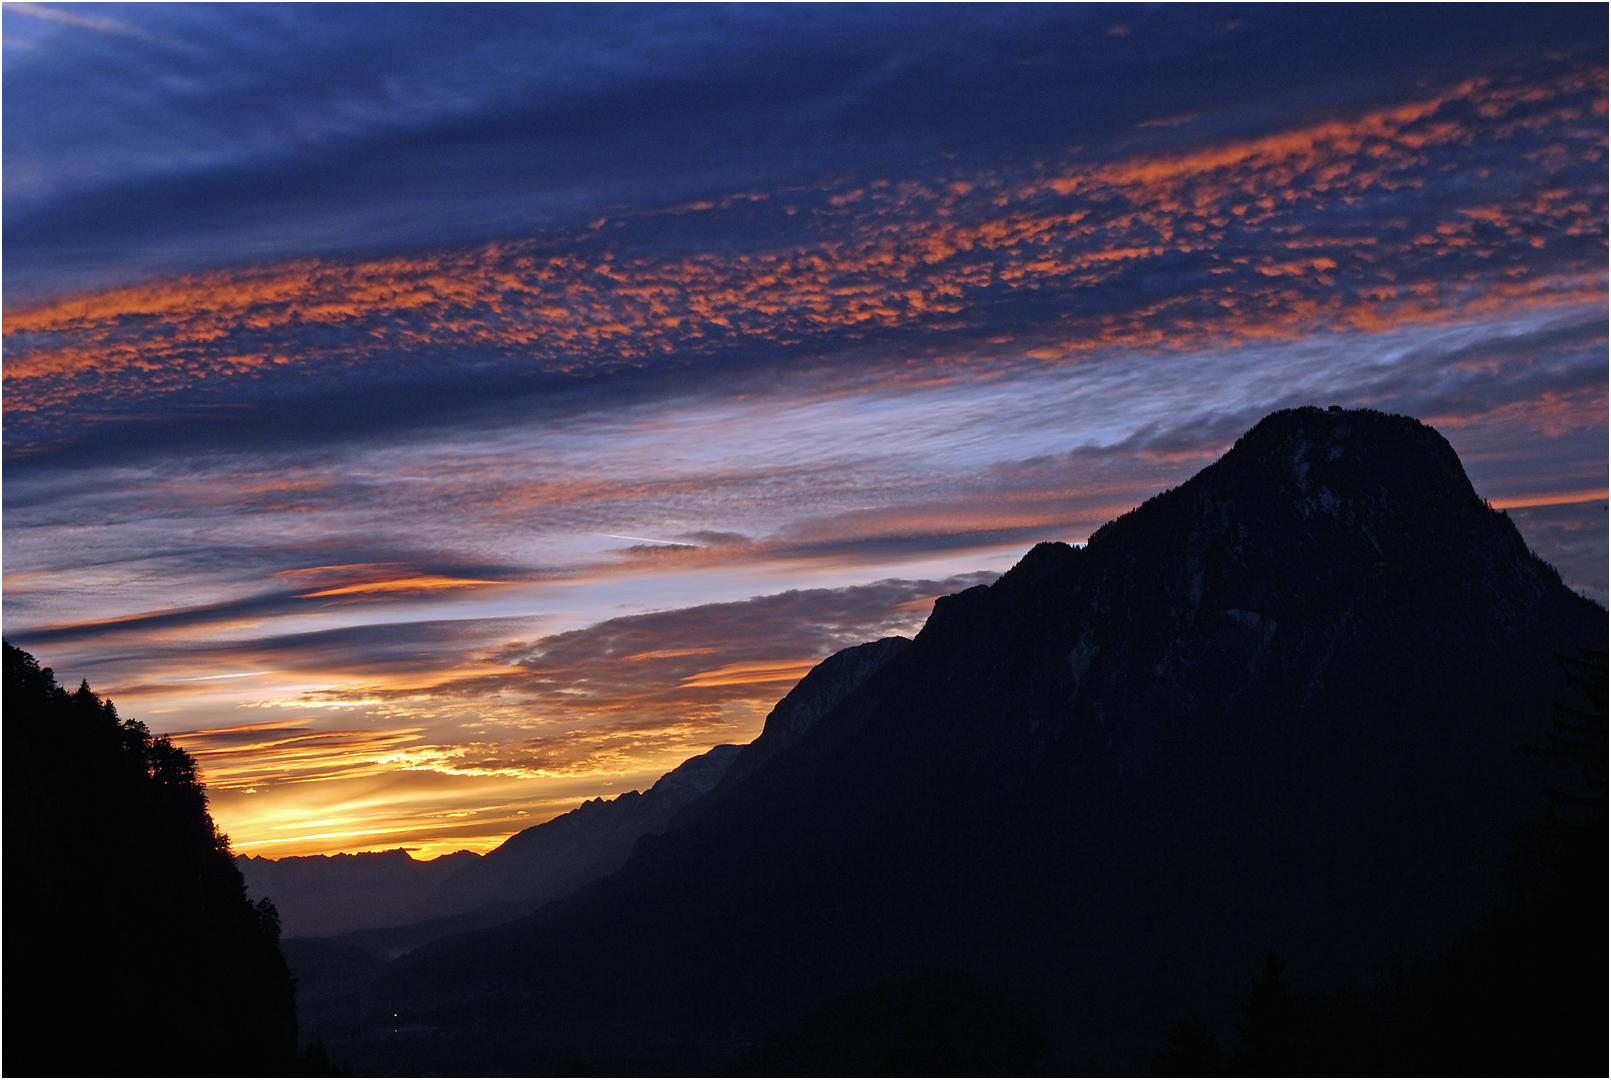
(499, 415)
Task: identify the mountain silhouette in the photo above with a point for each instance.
(386, 903)
(549, 860)
(321, 895)
(131, 947)
(812, 698)
(1278, 708)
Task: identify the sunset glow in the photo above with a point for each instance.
(342, 457)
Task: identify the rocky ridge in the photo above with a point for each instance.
(1278, 707)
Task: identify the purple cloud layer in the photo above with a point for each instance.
(440, 415)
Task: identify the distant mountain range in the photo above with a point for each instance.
(318, 895)
(386, 902)
(1277, 708)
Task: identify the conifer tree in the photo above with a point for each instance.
(1579, 735)
(1192, 1051)
(131, 947)
(1269, 1031)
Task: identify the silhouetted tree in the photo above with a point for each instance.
(1192, 1051)
(1270, 1028)
(1579, 737)
(131, 947)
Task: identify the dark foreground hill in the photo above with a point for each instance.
(1277, 708)
(131, 949)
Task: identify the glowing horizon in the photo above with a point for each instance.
(433, 446)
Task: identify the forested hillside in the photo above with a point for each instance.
(131, 948)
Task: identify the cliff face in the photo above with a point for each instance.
(1277, 707)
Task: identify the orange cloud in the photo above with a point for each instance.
(1559, 498)
(423, 583)
(892, 254)
(291, 751)
(752, 671)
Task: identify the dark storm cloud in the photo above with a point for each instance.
(142, 138)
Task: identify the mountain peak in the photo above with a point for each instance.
(1342, 464)
(1310, 445)
(1277, 707)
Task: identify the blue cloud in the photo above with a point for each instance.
(202, 136)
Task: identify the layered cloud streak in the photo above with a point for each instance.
(422, 542)
(1483, 198)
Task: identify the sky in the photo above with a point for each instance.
(436, 416)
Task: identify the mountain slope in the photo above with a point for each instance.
(812, 698)
(328, 895)
(386, 903)
(1277, 707)
(318, 895)
(549, 860)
